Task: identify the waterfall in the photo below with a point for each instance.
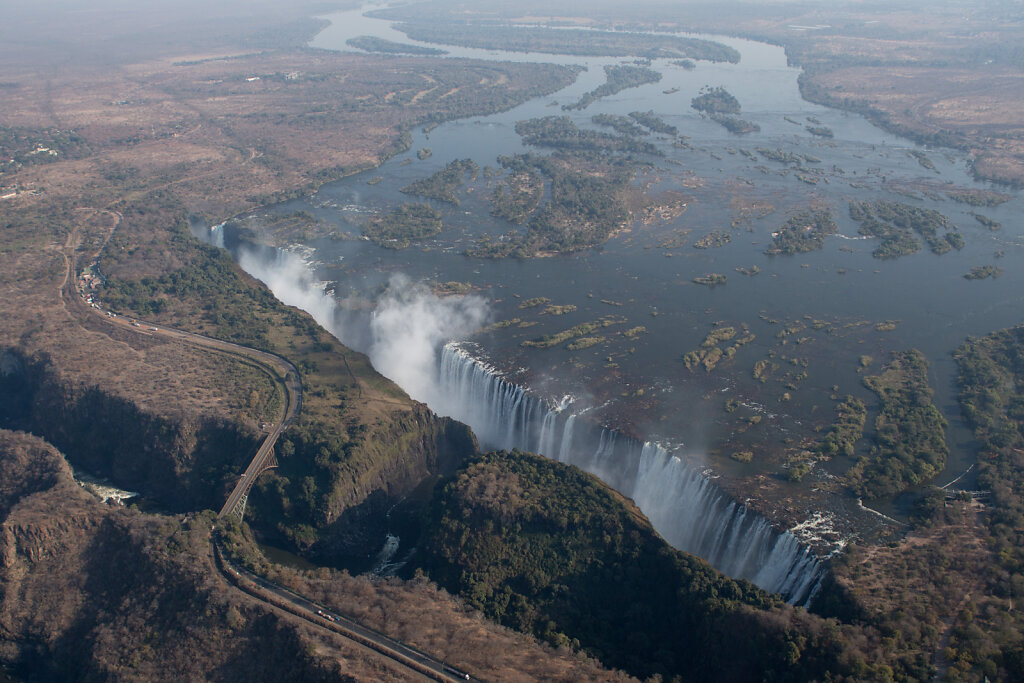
(683, 504)
(216, 237)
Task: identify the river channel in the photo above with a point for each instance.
(825, 319)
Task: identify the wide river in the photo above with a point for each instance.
(825, 319)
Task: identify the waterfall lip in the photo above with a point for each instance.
(679, 497)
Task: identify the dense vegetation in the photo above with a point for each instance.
(820, 131)
(21, 146)
(623, 125)
(655, 123)
(710, 279)
(560, 132)
(715, 101)
(713, 350)
(978, 197)
(569, 41)
(443, 184)
(586, 205)
(806, 231)
(384, 46)
(983, 272)
(991, 379)
(735, 124)
(780, 156)
(895, 224)
(403, 224)
(549, 550)
(910, 434)
(618, 77)
(846, 431)
(518, 197)
(210, 275)
(582, 330)
(713, 240)
(987, 222)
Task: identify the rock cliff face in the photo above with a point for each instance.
(331, 499)
(95, 592)
(185, 462)
(330, 495)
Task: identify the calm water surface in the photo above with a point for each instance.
(643, 276)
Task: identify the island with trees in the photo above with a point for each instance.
(910, 434)
(443, 184)
(803, 232)
(896, 224)
(403, 225)
(618, 77)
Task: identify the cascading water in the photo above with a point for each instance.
(686, 508)
(216, 236)
(683, 504)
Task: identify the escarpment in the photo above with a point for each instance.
(90, 591)
(182, 460)
(334, 489)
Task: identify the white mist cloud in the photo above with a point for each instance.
(289, 278)
(408, 328)
(402, 336)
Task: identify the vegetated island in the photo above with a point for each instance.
(404, 224)
(722, 107)
(734, 124)
(390, 47)
(983, 272)
(560, 132)
(820, 131)
(618, 77)
(549, 341)
(569, 41)
(803, 232)
(711, 351)
(987, 222)
(653, 122)
(715, 100)
(978, 198)
(711, 279)
(520, 195)
(896, 223)
(623, 125)
(910, 433)
(846, 430)
(443, 184)
(587, 203)
(713, 240)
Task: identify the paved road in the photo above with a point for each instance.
(319, 615)
(279, 369)
(286, 374)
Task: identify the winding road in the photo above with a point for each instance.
(283, 372)
(320, 615)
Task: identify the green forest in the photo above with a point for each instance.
(550, 550)
(715, 101)
(803, 232)
(618, 77)
(443, 184)
(910, 433)
(896, 224)
(402, 225)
